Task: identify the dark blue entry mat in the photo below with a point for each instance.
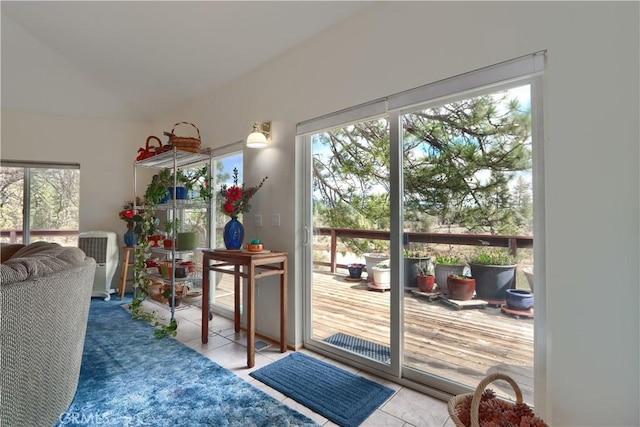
(365, 348)
(342, 397)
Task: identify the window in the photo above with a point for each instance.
(39, 201)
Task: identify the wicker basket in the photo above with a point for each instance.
(475, 403)
(185, 143)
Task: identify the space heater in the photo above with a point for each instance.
(103, 247)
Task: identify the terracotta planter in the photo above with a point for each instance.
(426, 283)
(442, 271)
(461, 289)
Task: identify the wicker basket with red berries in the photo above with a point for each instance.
(484, 409)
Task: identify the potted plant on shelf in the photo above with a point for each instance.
(461, 287)
(196, 182)
(188, 238)
(157, 191)
(495, 271)
(171, 227)
(447, 264)
(425, 277)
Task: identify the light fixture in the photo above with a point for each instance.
(260, 135)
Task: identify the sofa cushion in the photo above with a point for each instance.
(39, 259)
(7, 250)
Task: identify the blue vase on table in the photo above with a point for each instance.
(131, 238)
(233, 234)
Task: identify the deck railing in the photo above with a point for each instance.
(513, 243)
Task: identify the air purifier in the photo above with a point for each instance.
(103, 247)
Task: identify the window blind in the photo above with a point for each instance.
(501, 73)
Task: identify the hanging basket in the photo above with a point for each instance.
(185, 143)
(456, 403)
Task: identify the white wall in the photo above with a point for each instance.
(591, 324)
(104, 149)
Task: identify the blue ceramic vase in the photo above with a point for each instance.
(131, 238)
(233, 234)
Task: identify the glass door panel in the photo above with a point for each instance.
(222, 293)
(54, 205)
(350, 311)
(467, 177)
(11, 204)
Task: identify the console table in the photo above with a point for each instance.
(250, 266)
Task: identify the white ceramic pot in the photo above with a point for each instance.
(371, 260)
(382, 277)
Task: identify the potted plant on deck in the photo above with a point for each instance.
(413, 258)
(382, 276)
(372, 259)
(355, 270)
(447, 264)
(461, 287)
(425, 277)
(495, 271)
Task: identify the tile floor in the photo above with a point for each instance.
(404, 408)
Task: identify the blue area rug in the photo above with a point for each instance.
(342, 397)
(130, 378)
(365, 348)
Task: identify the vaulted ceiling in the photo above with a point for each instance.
(129, 60)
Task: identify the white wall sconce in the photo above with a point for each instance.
(260, 135)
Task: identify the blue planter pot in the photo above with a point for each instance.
(233, 234)
(355, 270)
(519, 299)
(180, 193)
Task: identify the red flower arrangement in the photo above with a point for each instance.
(131, 216)
(235, 199)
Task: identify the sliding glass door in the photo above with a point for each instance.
(222, 290)
(439, 173)
(351, 280)
(467, 181)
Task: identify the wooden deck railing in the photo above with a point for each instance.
(513, 243)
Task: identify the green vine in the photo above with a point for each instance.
(142, 282)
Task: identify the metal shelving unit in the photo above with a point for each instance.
(175, 159)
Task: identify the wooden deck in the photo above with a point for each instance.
(460, 345)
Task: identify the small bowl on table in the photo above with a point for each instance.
(255, 246)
